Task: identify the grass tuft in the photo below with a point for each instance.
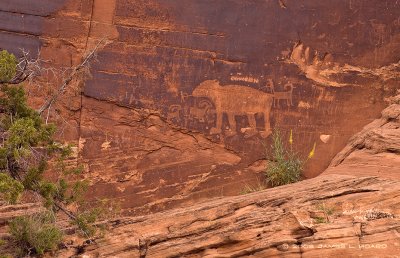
(35, 234)
(287, 166)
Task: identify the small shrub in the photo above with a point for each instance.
(26, 148)
(287, 166)
(88, 217)
(328, 211)
(35, 234)
(253, 188)
(319, 220)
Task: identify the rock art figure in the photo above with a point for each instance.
(236, 100)
(184, 97)
(378, 33)
(194, 111)
(270, 86)
(174, 113)
(284, 95)
(201, 111)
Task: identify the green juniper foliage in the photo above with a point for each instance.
(319, 220)
(8, 66)
(10, 189)
(86, 219)
(26, 146)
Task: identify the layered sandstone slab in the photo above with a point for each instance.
(328, 216)
(375, 151)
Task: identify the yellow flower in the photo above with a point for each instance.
(312, 152)
(291, 137)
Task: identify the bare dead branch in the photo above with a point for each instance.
(71, 76)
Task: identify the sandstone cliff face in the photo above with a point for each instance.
(351, 210)
(153, 139)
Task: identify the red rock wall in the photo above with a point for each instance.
(177, 106)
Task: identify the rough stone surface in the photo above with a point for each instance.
(328, 216)
(351, 210)
(181, 80)
(176, 111)
(375, 151)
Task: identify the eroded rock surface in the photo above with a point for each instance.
(375, 150)
(351, 210)
(322, 217)
(324, 69)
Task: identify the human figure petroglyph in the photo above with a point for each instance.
(236, 100)
(270, 86)
(184, 97)
(378, 33)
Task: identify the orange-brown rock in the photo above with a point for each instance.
(375, 151)
(328, 216)
(146, 132)
(351, 210)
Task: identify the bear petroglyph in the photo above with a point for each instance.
(236, 100)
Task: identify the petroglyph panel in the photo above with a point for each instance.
(229, 72)
(181, 103)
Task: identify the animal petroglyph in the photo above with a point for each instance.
(281, 95)
(174, 113)
(284, 95)
(236, 100)
(202, 111)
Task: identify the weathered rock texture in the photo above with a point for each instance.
(152, 138)
(332, 215)
(328, 216)
(375, 151)
(351, 210)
